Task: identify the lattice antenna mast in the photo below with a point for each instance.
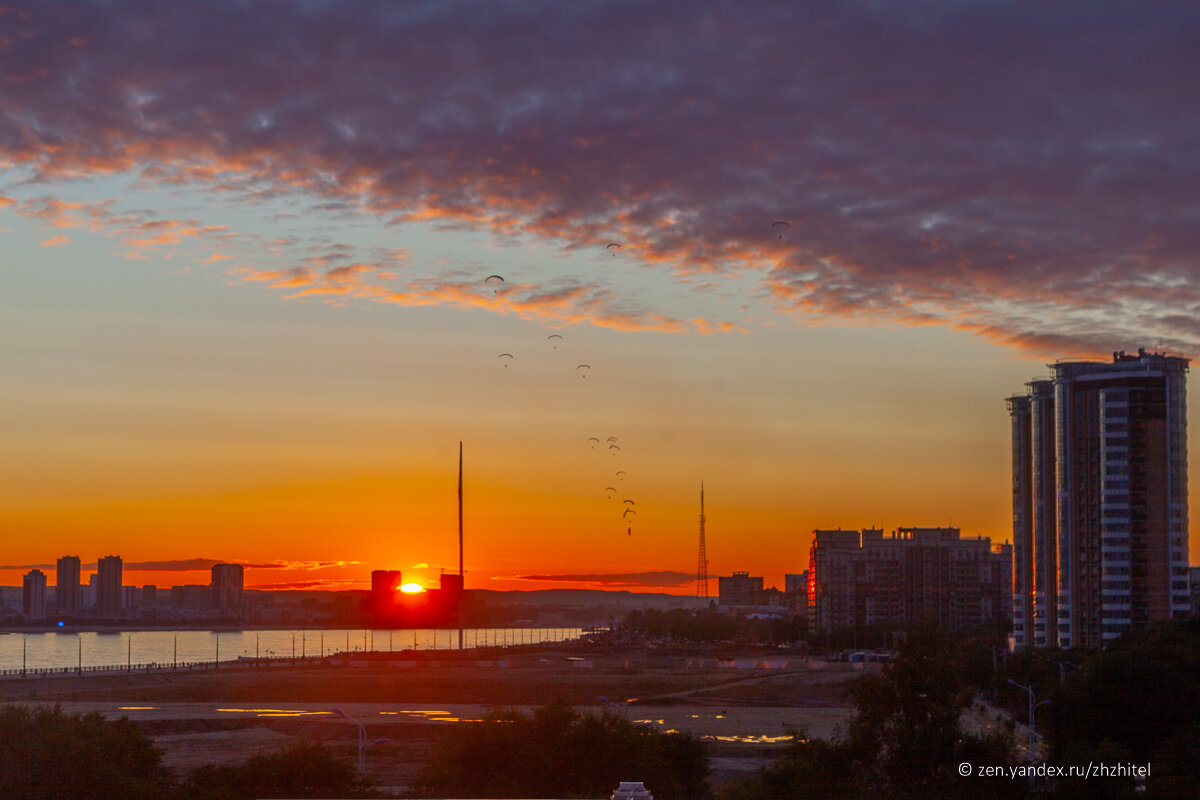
(702, 568)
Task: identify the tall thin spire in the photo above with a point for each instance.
(461, 585)
(702, 568)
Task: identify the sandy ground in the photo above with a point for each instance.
(743, 714)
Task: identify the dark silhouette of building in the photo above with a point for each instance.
(108, 587)
(862, 578)
(33, 595)
(1100, 511)
(738, 589)
(67, 591)
(228, 582)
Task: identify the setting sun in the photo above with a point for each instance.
(412, 588)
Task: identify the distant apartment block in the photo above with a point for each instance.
(109, 592)
(385, 583)
(738, 589)
(858, 579)
(192, 598)
(68, 594)
(795, 583)
(228, 587)
(33, 595)
(1100, 511)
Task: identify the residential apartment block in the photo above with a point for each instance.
(1100, 512)
(862, 578)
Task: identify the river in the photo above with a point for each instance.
(92, 649)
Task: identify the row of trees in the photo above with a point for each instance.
(710, 626)
(45, 753)
(1136, 702)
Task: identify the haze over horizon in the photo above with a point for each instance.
(244, 298)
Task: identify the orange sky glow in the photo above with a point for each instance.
(245, 314)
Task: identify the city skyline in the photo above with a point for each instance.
(261, 276)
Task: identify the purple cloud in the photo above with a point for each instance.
(1023, 171)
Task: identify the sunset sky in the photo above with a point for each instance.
(244, 250)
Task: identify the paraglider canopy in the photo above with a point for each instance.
(780, 226)
(582, 369)
(494, 281)
(505, 358)
(554, 337)
(613, 247)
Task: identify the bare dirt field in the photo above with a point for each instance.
(228, 715)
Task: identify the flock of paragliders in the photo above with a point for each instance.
(629, 512)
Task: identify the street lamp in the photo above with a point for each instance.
(175, 650)
(1033, 704)
(129, 652)
(362, 739)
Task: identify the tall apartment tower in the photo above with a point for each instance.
(228, 587)
(67, 591)
(1100, 513)
(108, 587)
(33, 595)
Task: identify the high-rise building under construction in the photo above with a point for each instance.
(1100, 510)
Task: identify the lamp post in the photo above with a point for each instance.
(175, 650)
(23, 639)
(78, 638)
(1033, 704)
(217, 655)
(362, 739)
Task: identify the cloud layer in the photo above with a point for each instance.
(1023, 171)
(614, 580)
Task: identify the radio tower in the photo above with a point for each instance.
(702, 569)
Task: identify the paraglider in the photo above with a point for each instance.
(628, 511)
(613, 247)
(495, 281)
(594, 441)
(611, 491)
(505, 358)
(780, 226)
(614, 448)
(582, 369)
(620, 473)
(554, 337)
(611, 439)
(630, 503)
